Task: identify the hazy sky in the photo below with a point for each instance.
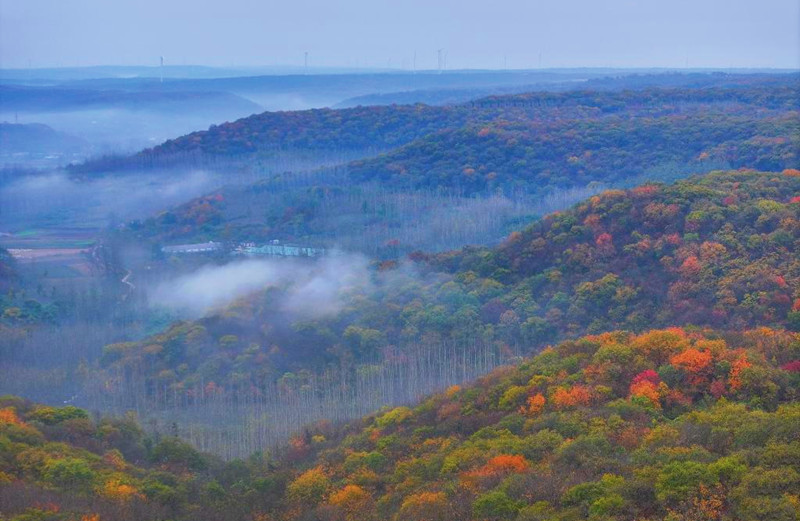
(379, 33)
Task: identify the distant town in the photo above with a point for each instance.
(250, 249)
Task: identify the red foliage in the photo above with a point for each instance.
(647, 375)
(643, 191)
(604, 239)
(718, 388)
(691, 267)
(792, 367)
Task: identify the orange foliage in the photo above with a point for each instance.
(692, 360)
(535, 405)
(452, 391)
(504, 464)
(9, 415)
(793, 172)
(118, 491)
(90, 517)
(735, 376)
(577, 395)
(646, 389)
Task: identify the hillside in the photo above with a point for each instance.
(57, 98)
(716, 250)
(670, 424)
(458, 175)
(57, 464)
(540, 155)
(376, 129)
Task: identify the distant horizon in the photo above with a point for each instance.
(416, 34)
(310, 68)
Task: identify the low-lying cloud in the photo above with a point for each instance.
(311, 287)
(47, 197)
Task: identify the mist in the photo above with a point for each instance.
(99, 202)
(311, 288)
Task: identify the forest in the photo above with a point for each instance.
(456, 175)
(715, 251)
(677, 423)
(580, 301)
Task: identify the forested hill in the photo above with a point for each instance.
(510, 153)
(615, 148)
(718, 250)
(375, 129)
(674, 424)
(695, 421)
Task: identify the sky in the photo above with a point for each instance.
(390, 33)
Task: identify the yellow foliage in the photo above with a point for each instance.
(310, 487)
(354, 501)
(117, 490)
(659, 345)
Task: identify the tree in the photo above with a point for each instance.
(309, 488)
(495, 506)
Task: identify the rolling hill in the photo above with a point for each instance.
(668, 424)
(714, 251)
(386, 127)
